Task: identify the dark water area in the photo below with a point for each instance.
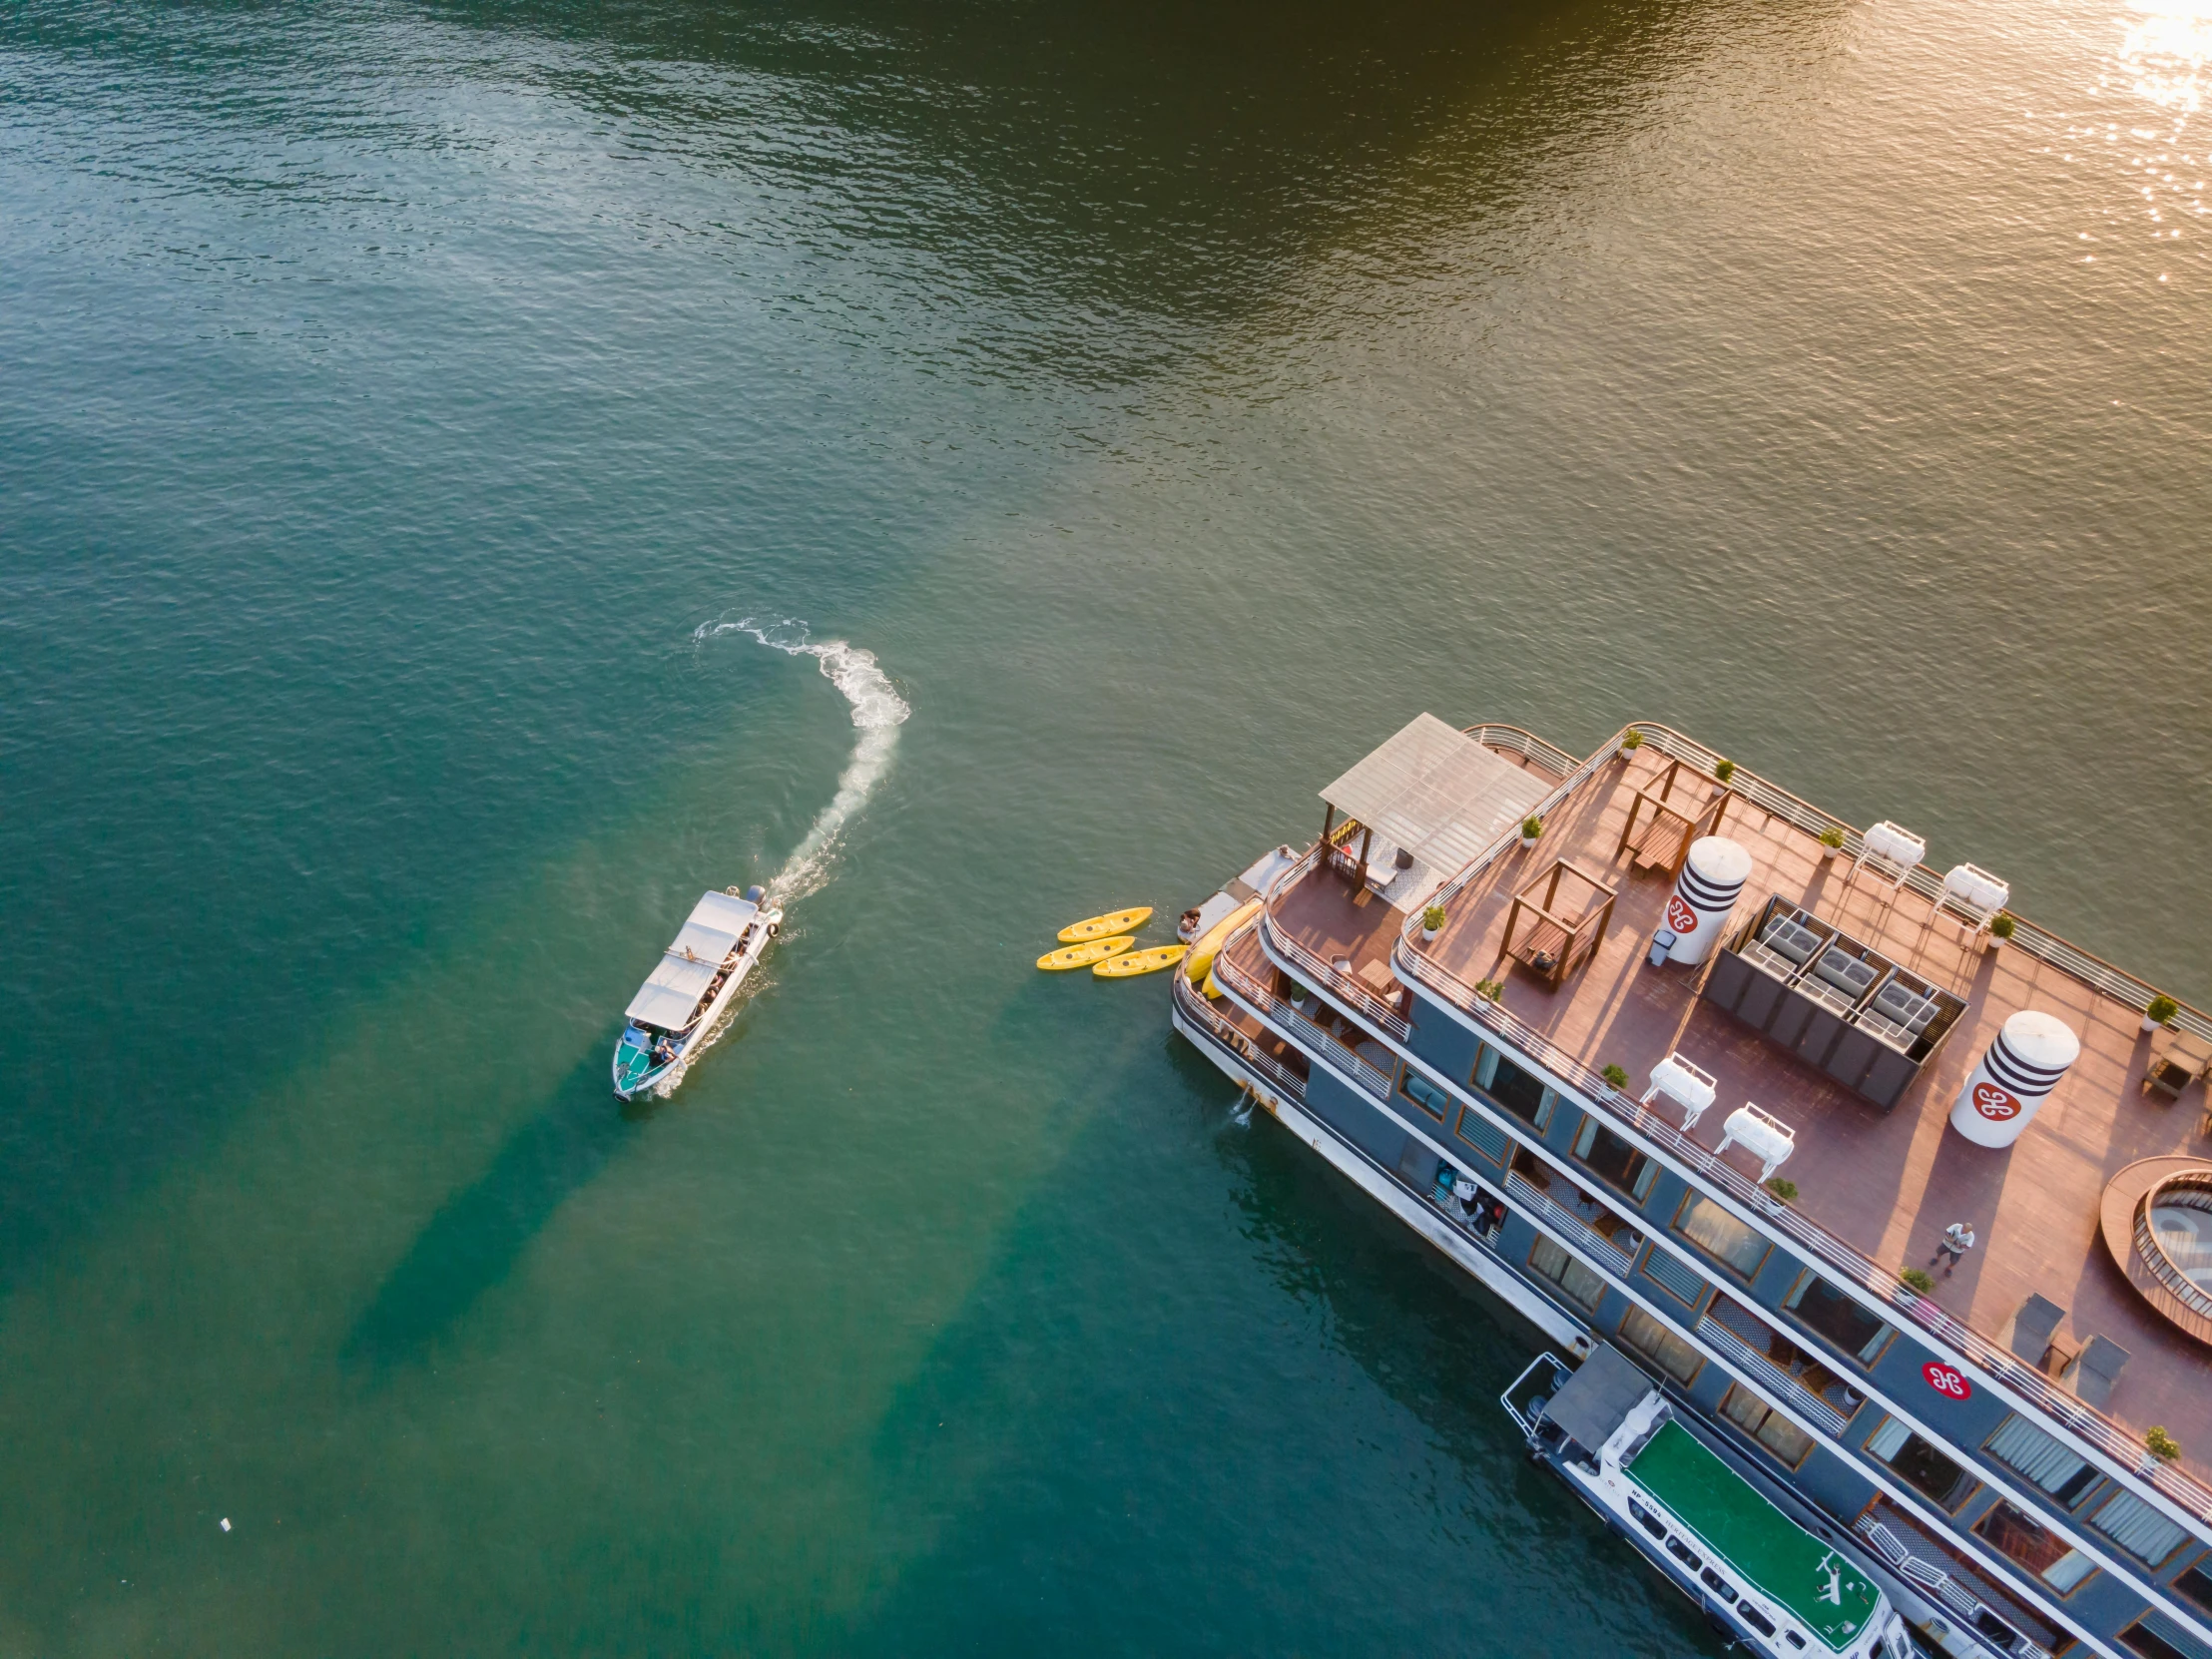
(1174, 401)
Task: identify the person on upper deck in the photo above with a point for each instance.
(1957, 1241)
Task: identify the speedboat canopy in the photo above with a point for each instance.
(671, 993)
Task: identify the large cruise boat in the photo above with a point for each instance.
(1899, 1205)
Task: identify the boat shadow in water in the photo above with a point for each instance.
(475, 1238)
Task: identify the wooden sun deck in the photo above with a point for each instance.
(1887, 1183)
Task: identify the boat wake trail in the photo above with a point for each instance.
(877, 711)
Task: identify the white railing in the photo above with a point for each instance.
(1355, 1071)
(1770, 1376)
(1570, 1222)
(2036, 941)
(1934, 1581)
(2192, 1495)
(1195, 1007)
(1822, 1246)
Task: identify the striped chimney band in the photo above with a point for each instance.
(2024, 1062)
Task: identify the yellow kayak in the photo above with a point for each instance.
(1098, 927)
(1211, 941)
(1083, 955)
(1133, 962)
(1212, 987)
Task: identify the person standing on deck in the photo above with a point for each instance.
(1957, 1241)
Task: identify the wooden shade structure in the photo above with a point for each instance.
(1551, 937)
(1660, 829)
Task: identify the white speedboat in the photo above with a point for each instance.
(682, 998)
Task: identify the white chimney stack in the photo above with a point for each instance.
(1712, 877)
(2024, 1063)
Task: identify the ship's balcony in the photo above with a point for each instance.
(1266, 1056)
(1341, 1044)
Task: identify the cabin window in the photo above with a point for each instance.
(1426, 1095)
(1919, 1464)
(1765, 1425)
(1484, 1135)
(1685, 1554)
(1581, 1284)
(1671, 1354)
(1613, 1160)
(1756, 1619)
(1647, 1520)
(1718, 1585)
(2034, 1547)
(2196, 1584)
(1519, 1091)
(2138, 1529)
(2019, 1445)
(1793, 1638)
(2147, 1637)
(1735, 1244)
(1824, 1309)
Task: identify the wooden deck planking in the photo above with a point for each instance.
(1887, 1183)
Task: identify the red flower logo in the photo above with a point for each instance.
(1994, 1103)
(1946, 1381)
(1680, 917)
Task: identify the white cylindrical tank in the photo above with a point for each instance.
(2024, 1064)
(1704, 893)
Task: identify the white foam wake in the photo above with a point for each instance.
(877, 709)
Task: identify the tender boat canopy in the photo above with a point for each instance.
(673, 989)
(1598, 1399)
(1437, 793)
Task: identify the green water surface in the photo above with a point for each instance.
(1175, 400)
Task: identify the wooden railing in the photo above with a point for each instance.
(2187, 1291)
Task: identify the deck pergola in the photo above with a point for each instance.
(1432, 794)
(1561, 935)
(1660, 829)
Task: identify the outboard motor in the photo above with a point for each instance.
(756, 893)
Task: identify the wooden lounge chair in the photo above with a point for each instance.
(2177, 1059)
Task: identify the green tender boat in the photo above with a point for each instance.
(1740, 1528)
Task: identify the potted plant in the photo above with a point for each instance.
(1530, 829)
(1917, 1280)
(1723, 771)
(1631, 741)
(1833, 840)
(1490, 991)
(2001, 929)
(2161, 1444)
(1783, 1188)
(1298, 995)
(1432, 923)
(2160, 1012)
(1616, 1078)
